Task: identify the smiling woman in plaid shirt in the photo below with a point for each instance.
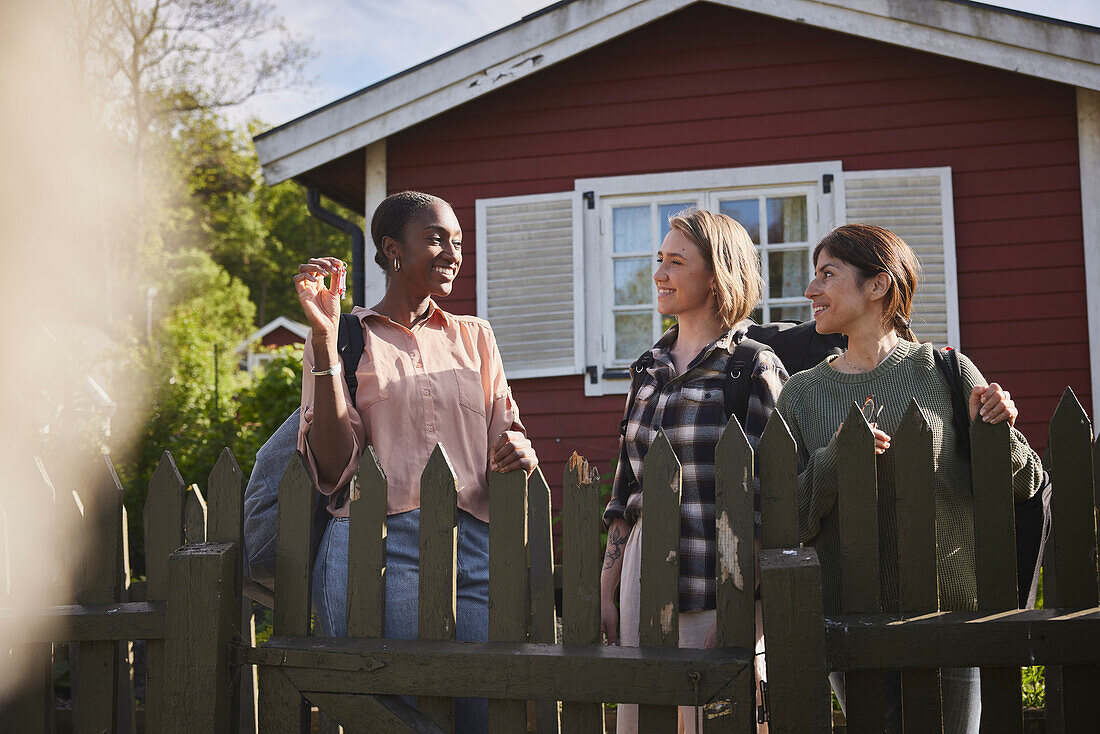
(708, 275)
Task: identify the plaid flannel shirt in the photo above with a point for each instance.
(691, 409)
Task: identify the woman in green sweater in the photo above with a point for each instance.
(864, 280)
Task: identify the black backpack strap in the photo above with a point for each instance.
(738, 383)
(947, 359)
(637, 374)
(350, 343)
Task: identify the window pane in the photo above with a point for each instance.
(630, 227)
(788, 273)
(757, 315)
(667, 322)
(797, 312)
(633, 334)
(747, 214)
(787, 219)
(633, 281)
(664, 211)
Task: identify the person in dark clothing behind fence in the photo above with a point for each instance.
(708, 275)
(425, 377)
(865, 279)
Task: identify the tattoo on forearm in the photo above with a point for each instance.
(615, 542)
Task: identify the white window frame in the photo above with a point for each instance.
(824, 210)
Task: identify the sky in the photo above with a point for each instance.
(359, 42)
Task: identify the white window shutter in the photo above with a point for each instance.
(917, 205)
(529, 281)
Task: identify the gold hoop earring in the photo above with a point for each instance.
(396, 265)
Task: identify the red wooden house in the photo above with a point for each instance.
(564, 140)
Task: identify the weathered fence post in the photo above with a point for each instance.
(777, 463)
(282, 708)
(659, 608)
(438, 571)
(794, 626)
(736, 568)
(163, 535)
(917, 586)
(995, 564)
(30, 710)
(798, 683)
(204, 597)
(857, 513)
(540, 539)
(225, 524)
(367, 550)
(96, 706)
(508, 582)
(581, 553)
(1071, 580)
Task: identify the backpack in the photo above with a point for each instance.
(261, 495)
(1033, 516)
(797, 344)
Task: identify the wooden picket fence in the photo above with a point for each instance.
(200, 658)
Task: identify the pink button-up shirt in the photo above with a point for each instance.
(441, 382)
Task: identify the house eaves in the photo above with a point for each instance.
(1027, 44)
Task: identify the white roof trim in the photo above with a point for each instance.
(980, 34)
(294, 327)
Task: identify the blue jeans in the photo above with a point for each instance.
(330, 590)
(960, 691)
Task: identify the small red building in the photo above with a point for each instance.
(564, 140)
(279, 332)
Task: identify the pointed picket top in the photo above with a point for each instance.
(733, 455)
(537, 482)
(1072, 506)
(163, 519)
(367, 549)
(916, 512)
(293, 569)
(777, 438)
(662, 454)
(540, 537)
(194, 516)
(439, 468)
(913, 422)
(295, 474)
(777, 465)
(856, 431)
(102, 535)
(438, 549)
(733, 514)
(857, 515)
(1069, 415)
(225, 495)
(370, 473)
(166, 481)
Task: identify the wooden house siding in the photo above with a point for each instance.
(710, 87)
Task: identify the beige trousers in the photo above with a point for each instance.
(694, 627)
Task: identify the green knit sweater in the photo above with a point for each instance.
(816, 401)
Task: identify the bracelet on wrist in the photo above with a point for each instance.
(333, 370)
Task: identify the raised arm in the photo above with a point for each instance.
(328, 437)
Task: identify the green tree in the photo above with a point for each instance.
(258, 233)
(274, 393)
(191, 405)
